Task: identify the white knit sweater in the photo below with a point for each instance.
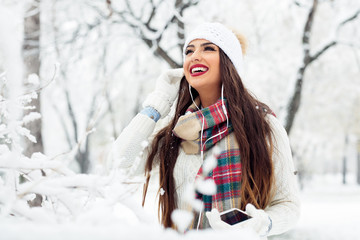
(284, 207)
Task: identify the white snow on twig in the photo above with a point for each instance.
(32, 116)
(209, 164)
(33, 79)
(26, 132)
(182, 219)
(206, 187)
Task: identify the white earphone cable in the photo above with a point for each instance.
(202, 130)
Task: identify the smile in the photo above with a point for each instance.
(198, 69)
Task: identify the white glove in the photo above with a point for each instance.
(166, 90)
(260, 221)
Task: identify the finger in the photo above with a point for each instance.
(214, 215)
(208, 215)
(212, 220)
(215, 212)
(250, 209)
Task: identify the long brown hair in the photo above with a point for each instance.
(252, 133)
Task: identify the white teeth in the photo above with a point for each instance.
(198, 69)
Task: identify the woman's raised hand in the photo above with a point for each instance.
(166, 90)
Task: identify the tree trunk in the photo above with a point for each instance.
(295, 100)
(31, 55)
(344, 170)
(82, 157)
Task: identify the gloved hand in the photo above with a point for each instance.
(166, 90)
(260, 221)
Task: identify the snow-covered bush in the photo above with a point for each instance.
(60, 194)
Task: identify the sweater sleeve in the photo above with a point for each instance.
(284, 208)
(128, 151)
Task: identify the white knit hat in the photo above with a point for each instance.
(222, 37)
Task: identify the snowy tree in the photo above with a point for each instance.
(74, 39)
(309, 57)
(106, 28)
(31, 53)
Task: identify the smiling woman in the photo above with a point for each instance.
(202, 70)
(252, 166)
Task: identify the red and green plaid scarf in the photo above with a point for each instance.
(227, 173)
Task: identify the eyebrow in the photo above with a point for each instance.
(202, 45)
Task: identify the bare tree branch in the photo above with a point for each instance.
(152, 15)
(321, 51)
(160, 52)
(71, 114)
(349, 19)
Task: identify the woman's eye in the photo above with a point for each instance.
(209, 49)
(188, 51)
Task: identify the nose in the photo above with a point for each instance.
(196, 56)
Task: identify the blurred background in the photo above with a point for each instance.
(93, 62)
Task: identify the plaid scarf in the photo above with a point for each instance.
(227, 173)
(188, 127)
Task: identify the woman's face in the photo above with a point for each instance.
(202, 66)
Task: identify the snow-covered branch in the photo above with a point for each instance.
(10, 161)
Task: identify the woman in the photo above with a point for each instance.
(254, 169)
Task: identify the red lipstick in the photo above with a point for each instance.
(199, 69)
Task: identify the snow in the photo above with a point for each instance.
(33, 79)
(209, 164)
(26, 132)
(31, 117)
(330, 210)
(182, 219)
(109, 232)
(205, 186)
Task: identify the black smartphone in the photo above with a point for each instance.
(234, 216)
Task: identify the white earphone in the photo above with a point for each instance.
(202, 130)
(203, 121)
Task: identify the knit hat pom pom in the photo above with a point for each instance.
(243, 41)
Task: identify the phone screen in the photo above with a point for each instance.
(234, 216)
